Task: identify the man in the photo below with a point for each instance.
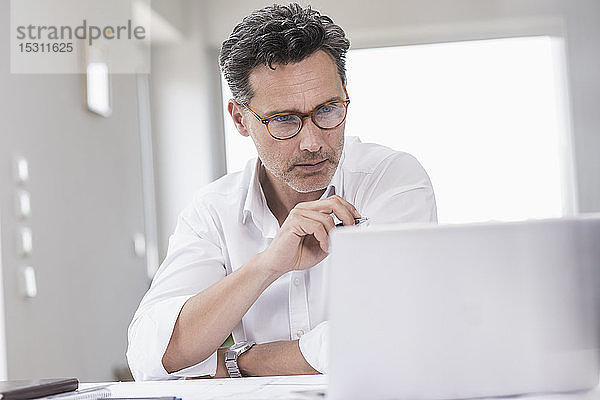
(247, 256)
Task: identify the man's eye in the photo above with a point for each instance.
(326, 109)
(283, 118)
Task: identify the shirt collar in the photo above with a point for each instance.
(255, 198)
(255, 205)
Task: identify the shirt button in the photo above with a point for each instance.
(297, 281)
(300, 333)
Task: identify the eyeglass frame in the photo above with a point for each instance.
(302, 116)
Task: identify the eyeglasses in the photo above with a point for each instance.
(282, 126)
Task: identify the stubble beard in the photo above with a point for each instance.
(302, 184)
(296, 183)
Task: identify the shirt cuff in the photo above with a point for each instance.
(314, 347)
(206, 367)
(148, 340)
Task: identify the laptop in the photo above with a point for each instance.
(462, 311)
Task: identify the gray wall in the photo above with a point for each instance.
(87, 204)
(186, 114)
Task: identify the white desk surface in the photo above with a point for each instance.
(265, 388)
(276, 387)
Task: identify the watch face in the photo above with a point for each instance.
(238, 346)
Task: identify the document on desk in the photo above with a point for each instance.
(303, 387)
(90, 393)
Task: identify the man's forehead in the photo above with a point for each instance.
(307, 81)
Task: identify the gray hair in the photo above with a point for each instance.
(278, 35)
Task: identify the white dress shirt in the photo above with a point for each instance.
(229, 221)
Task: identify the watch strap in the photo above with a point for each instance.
(231, 357)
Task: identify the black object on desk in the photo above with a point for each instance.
(33, 388)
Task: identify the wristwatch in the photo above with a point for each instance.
(231, 356)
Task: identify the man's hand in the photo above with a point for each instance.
(303, 240)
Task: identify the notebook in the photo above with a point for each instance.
(32, 388)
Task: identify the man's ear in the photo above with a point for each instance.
(237, 114)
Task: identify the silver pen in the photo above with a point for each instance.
(357, 221)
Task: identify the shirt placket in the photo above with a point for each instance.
(299, 318)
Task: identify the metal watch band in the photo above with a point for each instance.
(231, 356)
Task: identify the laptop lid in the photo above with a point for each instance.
(459, 311)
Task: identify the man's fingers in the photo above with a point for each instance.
(325, 219)
(348, 205)
(348, 211)
(342, 209)
(316, 228)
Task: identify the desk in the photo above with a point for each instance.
(265, 388)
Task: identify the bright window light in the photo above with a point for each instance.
(238, 149)
(487, 119)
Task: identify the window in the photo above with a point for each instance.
(238, 149)
(487, 119)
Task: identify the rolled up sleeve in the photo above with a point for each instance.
(314, 347)
(194, 262)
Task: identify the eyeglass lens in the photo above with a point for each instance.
(325, 117)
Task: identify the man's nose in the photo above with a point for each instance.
(311, 136)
